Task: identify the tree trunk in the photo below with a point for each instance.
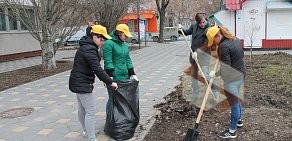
(48, 56)
(161, 27)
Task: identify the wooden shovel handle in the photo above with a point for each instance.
(206, 94)
(182, 31)
(199, 66)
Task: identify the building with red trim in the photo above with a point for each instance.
(150, 17)
(259, 23)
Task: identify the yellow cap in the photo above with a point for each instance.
(211, 33)
(99, 29)
(125, 29)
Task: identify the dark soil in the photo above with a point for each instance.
(14, 78)
(267, 107)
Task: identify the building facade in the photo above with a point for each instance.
(258, 23)
(15, 40)
(148, 16)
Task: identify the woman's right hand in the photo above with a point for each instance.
(114, 85)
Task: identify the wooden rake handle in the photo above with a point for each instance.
(200, 69)
(206, 94)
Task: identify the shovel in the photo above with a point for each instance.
(196, 61)
(192, 134)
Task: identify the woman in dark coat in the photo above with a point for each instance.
(232, 72)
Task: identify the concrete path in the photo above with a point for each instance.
(55, 117)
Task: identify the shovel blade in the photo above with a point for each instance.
(191, 135)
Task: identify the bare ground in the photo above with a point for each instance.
(267, 106)
(14, 78)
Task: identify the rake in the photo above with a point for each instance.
(196, 61)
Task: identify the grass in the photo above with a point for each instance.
(282, 74)
(272, 70)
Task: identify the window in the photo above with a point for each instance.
(2, 20)
(12, 20)
(29, 18)
(22, 26)
(8, 21)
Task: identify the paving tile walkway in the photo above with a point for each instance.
(55, 117)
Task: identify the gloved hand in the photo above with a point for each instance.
(180, 26)
(134, 77)
(114, 85)
(212, 74)
(195, 56)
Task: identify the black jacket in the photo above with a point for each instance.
(86, 66)
(88, 30)
(231, 57)
(198, 40)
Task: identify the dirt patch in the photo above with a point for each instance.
(267, 106)
(17, 77)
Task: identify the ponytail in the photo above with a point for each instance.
(226, 33)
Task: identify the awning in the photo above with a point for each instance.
(133, 16)
(279, 5)
(234, 4)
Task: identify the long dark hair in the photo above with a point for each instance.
(98, 35)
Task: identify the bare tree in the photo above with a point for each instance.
(47, 20)
(184, 10)
(108, 12)
(252, 31)
(161, 7)
(144, 5)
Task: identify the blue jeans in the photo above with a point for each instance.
(232, 90)
(195, 82)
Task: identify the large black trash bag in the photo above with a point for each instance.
(123, 111)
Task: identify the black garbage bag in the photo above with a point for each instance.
(122, 116)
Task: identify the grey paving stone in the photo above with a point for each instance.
(55, 117)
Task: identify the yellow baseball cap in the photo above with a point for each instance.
(99, 29)
(211, 33)
(125, 29)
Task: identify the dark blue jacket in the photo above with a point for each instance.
(198, 40)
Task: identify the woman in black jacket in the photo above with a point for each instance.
(232, 72)
(86, 66)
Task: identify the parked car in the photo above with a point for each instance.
(74, 39)
(134, 39)
(168, 33)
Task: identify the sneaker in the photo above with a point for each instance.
(239, 124)
(84, 134)
(227, 135)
